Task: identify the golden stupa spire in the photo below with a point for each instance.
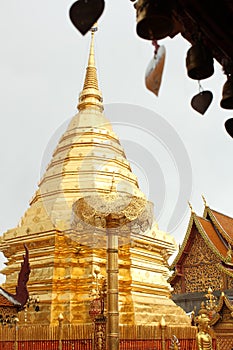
(91, 96)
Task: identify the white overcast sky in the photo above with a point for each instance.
(42, 65)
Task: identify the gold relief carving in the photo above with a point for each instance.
(199, 278)
(200, 268)
(227, 315)
(144, 246)
(164, 253)
(36, 219)
(229, 282)
(200, 253)
(177, 289)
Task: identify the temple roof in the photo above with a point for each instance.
(216, 229)
(223, 223)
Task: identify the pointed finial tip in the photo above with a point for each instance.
(90, 96)
(190, 206)
(94, 28)
(204, 200)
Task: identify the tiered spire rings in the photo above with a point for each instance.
(91, 96)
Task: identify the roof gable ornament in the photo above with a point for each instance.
(205, 213)
(204, 200)
(191, 207)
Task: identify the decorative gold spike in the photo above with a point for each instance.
(204, 200)
(91, 96)
(190, 206)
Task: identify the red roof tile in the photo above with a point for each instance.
(225, 222)
(216, 243)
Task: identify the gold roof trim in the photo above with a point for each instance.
(91, 96)
(219, 226)
(194, 220)
(206, 207)
(222, 300)
(225, 270)
(188, 232)
(201, 230)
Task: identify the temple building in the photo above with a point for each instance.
(204, 260)
(88, 159)
(202, 277)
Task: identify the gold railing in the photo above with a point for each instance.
(79, 337)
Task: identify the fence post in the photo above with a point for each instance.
(100, 333)
(16, 320)
(163, 326)
(60, 329)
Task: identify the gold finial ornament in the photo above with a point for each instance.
(204, 200)
(190, 206)
(91, 96)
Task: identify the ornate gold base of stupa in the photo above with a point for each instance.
(62, 272)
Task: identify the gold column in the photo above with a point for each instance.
(120, 214)
(112, 290)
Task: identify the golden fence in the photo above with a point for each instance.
(45, 332)
(79, 337)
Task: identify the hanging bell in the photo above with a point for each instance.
(154, 19)
(227, 94)
(229, 126)
(199, 62)
(202, 101)
(85, 13)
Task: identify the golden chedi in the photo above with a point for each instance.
(88, 160)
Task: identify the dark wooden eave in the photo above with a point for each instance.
(213, 19)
